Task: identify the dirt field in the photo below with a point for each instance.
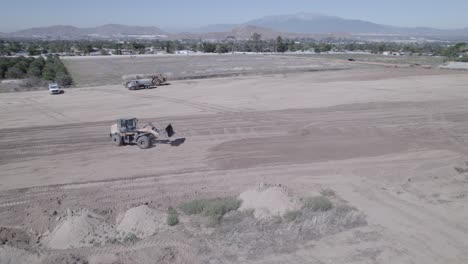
(388, 146)
(104, 70)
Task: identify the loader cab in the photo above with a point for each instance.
(127, 125)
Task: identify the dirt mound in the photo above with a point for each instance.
(80, 229)
(9, 255)
(141, 221)
(268, 200)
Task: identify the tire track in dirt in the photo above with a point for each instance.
(39, 142)
(201, 106)
(216, 109)
(184, 250)
(40, 196)
(48, 111)
(418, 219)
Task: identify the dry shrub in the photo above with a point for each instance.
(213, 208)
(172, 217)
(33, 82)
(242, 235)
(291, 216)
(328, 192)
(318, 203)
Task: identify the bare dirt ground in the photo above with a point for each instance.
(104, 70)
(386, 141)
(93, 71)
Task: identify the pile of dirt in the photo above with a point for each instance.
(80, 229)
(141, 221)
(268, 201)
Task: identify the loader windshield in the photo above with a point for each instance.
(128, 124)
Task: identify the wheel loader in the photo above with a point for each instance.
(126, 131)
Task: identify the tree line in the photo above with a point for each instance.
(254, 44)
(49, 69)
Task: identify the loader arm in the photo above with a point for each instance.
(150, 130)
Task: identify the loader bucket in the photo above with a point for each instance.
(170, 131)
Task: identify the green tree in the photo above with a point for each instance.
(34, 71)
(257, 42)
(14, 73)
(48, 73)
(209, 47)
(33, 50)
(292, 46)
(222, 48)
(63, 79)
(169, 47)
(280, 45)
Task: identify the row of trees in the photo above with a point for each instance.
(230, 44)
(50, 69)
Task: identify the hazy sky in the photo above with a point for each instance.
(20, 14)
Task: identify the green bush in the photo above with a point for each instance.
(318, 203)
(63, 79)
(14, 73)
(327, 192)
(172, 217)
(48, 73)
(34, 71)
(463, 59)
(291, 216)
(213, 208)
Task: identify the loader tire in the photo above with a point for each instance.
(156, 82)
(143, 142)
(117, 140)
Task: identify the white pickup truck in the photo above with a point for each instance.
(54, 88)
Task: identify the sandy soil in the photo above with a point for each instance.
(93, 71)
(385, 140)
(455, 66)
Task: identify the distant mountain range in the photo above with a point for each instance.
(240, 32)
(296, 25)
(110, 30)
(317, 24)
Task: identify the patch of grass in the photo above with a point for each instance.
(172, 217)
(291, 216)
(463, 59)
(318, 203)
(213, 208)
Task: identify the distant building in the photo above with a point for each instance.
(21, 53)
(391, 53)
(185, 52)
(95, 53)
